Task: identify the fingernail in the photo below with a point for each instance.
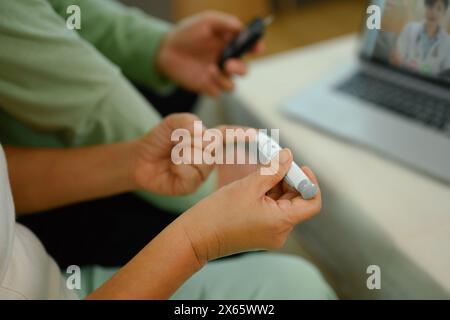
(284, 156)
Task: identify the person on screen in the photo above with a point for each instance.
(425, 46)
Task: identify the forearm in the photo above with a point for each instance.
(47, 178)
(157, 271)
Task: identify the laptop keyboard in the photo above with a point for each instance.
(427, 109)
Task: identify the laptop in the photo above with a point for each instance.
(395, 96)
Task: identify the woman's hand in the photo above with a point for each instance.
(256, 212)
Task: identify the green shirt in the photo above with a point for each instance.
(64, 88)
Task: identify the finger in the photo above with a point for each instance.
(267, 177)
(284, 204)
(237, 134)
(288, 196)
(221, 22)
(224, 82)
(212, 89)
(287, 192)
(311, 175)
(224, 127)
(259, 48)
(187, 178)
(235, 66)
(204, 170)
(276, 192)
(193, 124)
(182, 120)
(288, 189)
(226, 39)
(284, 191)
(302, 210)
(238, 142)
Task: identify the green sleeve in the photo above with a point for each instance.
(56, 83)
(126, 36)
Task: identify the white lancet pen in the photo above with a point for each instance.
(296, 178)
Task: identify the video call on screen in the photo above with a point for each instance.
(415, 35)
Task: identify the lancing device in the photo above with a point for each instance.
(296, 178)
(245, 40)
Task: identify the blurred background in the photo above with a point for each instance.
(297, 22)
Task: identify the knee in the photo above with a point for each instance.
(291, 278)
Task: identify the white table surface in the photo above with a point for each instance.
(376, 211)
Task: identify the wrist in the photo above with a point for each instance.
(163, 55)
(201, 234)
(194, 248)
(129, 150)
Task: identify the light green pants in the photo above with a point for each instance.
(262, 276)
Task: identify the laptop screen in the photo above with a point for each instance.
(414, 38)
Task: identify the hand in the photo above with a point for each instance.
(256, 212)
(153, 168)
(190, 52)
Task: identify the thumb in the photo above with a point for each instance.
(267, 177)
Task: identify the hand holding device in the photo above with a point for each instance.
(255, 212)
(295, 177)
(206, 33)
(245, 40)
